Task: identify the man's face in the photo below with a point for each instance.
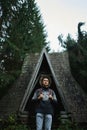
(45, 82)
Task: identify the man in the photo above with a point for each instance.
(45, 97)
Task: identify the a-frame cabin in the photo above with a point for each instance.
(43, 67)
(71, 98)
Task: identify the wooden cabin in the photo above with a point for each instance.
(72, 101)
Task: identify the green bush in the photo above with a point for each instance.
(11, 123)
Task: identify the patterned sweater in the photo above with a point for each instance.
(44, 105)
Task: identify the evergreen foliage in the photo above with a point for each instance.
(21, 31)
(77, 50)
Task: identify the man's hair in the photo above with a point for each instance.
(43, 77)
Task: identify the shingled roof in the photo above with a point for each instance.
(71, 97)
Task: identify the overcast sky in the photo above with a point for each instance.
(62, 17)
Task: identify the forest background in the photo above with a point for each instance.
(22, 31)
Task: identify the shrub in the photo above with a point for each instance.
(11, 123)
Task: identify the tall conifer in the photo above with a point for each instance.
(22, 31)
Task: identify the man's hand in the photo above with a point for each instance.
(51, 97)
(40, 96)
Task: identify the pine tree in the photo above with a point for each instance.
(77, 50)
(22, 31)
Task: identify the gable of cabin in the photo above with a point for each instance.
(44, 70)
